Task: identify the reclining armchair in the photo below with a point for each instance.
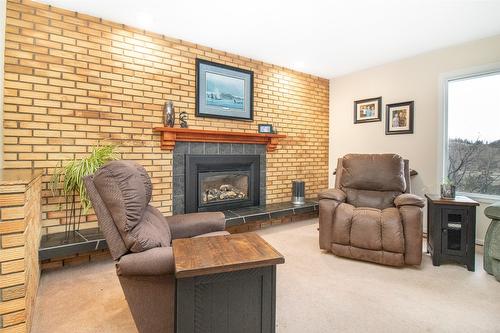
(370, 215)
(139, 239)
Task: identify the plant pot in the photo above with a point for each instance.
(447, 191)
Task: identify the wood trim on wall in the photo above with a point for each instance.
(169, 136)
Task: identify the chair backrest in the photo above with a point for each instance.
(120, 192)
(115, 242)
(372, 180)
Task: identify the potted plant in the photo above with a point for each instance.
(68, 178)
(448, 189)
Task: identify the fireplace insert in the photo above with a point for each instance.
(221, 182)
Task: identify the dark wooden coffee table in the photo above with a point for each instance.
(225, 284)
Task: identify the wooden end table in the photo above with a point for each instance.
(451, 230)
(225, 284)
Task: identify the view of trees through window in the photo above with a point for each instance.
(474, 134)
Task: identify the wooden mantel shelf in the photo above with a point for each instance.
(170, 135)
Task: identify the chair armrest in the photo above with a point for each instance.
(194, 224)
(410, 209)
(412, 219)
(407, 199)
(327, 209)
(493, 211)
(333, 194)
(155, 261)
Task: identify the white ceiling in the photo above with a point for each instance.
(321, 37)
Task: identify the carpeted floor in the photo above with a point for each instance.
(317, 292)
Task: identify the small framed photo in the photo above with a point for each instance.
(399, 118)
(368, 110)
(265, 128)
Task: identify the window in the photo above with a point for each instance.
(473, 142)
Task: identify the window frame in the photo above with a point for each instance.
(476, 72)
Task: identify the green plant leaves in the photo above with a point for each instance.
(69, 177)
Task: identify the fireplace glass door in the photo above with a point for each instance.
(221, 182)
(222, 186)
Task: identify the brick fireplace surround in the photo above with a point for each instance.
(72, 81)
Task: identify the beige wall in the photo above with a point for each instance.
(417, 78)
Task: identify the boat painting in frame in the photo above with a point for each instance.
(223, 91)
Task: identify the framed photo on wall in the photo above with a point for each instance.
(399, 118)
(265, 128)
(223, 91)
(368, 110)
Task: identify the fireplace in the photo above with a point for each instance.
(221, 182)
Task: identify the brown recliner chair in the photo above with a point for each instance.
(139, 239)
(370, 215)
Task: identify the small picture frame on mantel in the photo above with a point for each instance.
(265, 128)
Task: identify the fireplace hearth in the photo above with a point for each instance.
(221, 182)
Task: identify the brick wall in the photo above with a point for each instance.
(20, 230)
(72, 81)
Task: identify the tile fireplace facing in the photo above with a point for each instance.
(218, 176)
(220, 182)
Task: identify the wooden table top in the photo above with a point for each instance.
(218, 254)
(458, 201)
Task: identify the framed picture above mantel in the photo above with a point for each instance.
(223, 91)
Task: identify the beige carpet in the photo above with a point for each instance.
(317, 292)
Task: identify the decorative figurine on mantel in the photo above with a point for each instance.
(183, 117)
(169, 116)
